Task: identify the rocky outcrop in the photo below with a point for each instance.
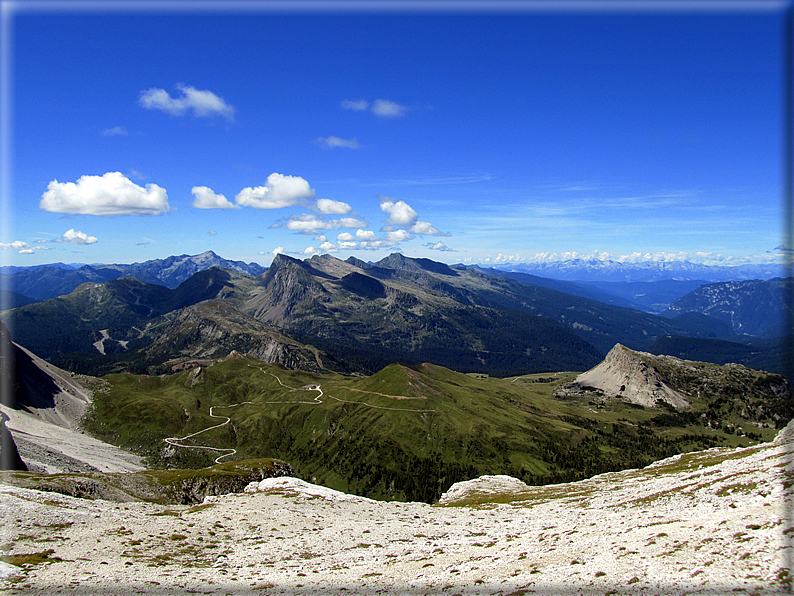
(168, 487)
(223, 480)
(718, 394)
(625, 375)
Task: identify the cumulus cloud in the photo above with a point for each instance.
(329, 207)
(400, 213)
(425, 228)
(310, 251)
(278, 250)
(388, 109)
(308, 223)
(76, 237)
(369, 240)
(116, 131)
(438, 246)
(279, 191)
(205, 198)
(327, 247)
(201, 102)
(15, 245)
(368, 235)
(22, 247)
(397, 236)
(380, 107)
(337, 143)
(110, 194)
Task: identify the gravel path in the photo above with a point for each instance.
(714, 522)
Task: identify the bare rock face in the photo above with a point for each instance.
(625, 375)
(718, 393)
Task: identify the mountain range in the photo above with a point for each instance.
(349, 316)
(759, 308)
(41, 283)
(608, 270)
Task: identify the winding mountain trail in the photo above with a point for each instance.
(175, 441)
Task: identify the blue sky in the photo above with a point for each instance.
(463, 136)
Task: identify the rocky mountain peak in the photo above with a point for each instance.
(397, 260)
(626, 375)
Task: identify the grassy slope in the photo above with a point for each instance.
(354, 439)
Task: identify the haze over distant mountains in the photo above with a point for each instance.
(597, 270)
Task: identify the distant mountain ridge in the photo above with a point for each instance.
(647, 271)
(46, 282)
(754, 307)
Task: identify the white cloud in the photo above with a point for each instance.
(375, 244)
(337, 143)
(308, 223)
(330, 207)
(403, 221)
(368, 235)
(426, 228)
(212, 233)
(310, 251)
(368, 240)
(400, 213)
(203, 103)
(398, 236)
(116, 131)
(388, 109)
(15, 245)
(110, 194)
(27, 249)
(76, 237)
(207, 199)
(357, 105)
(438, 246)
(278, 250)
(327, 247)
(279, 191)
(380, 107)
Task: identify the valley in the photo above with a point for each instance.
(409, 432)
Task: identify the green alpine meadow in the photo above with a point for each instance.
(410, 432)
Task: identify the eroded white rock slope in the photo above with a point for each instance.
(715, 522)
